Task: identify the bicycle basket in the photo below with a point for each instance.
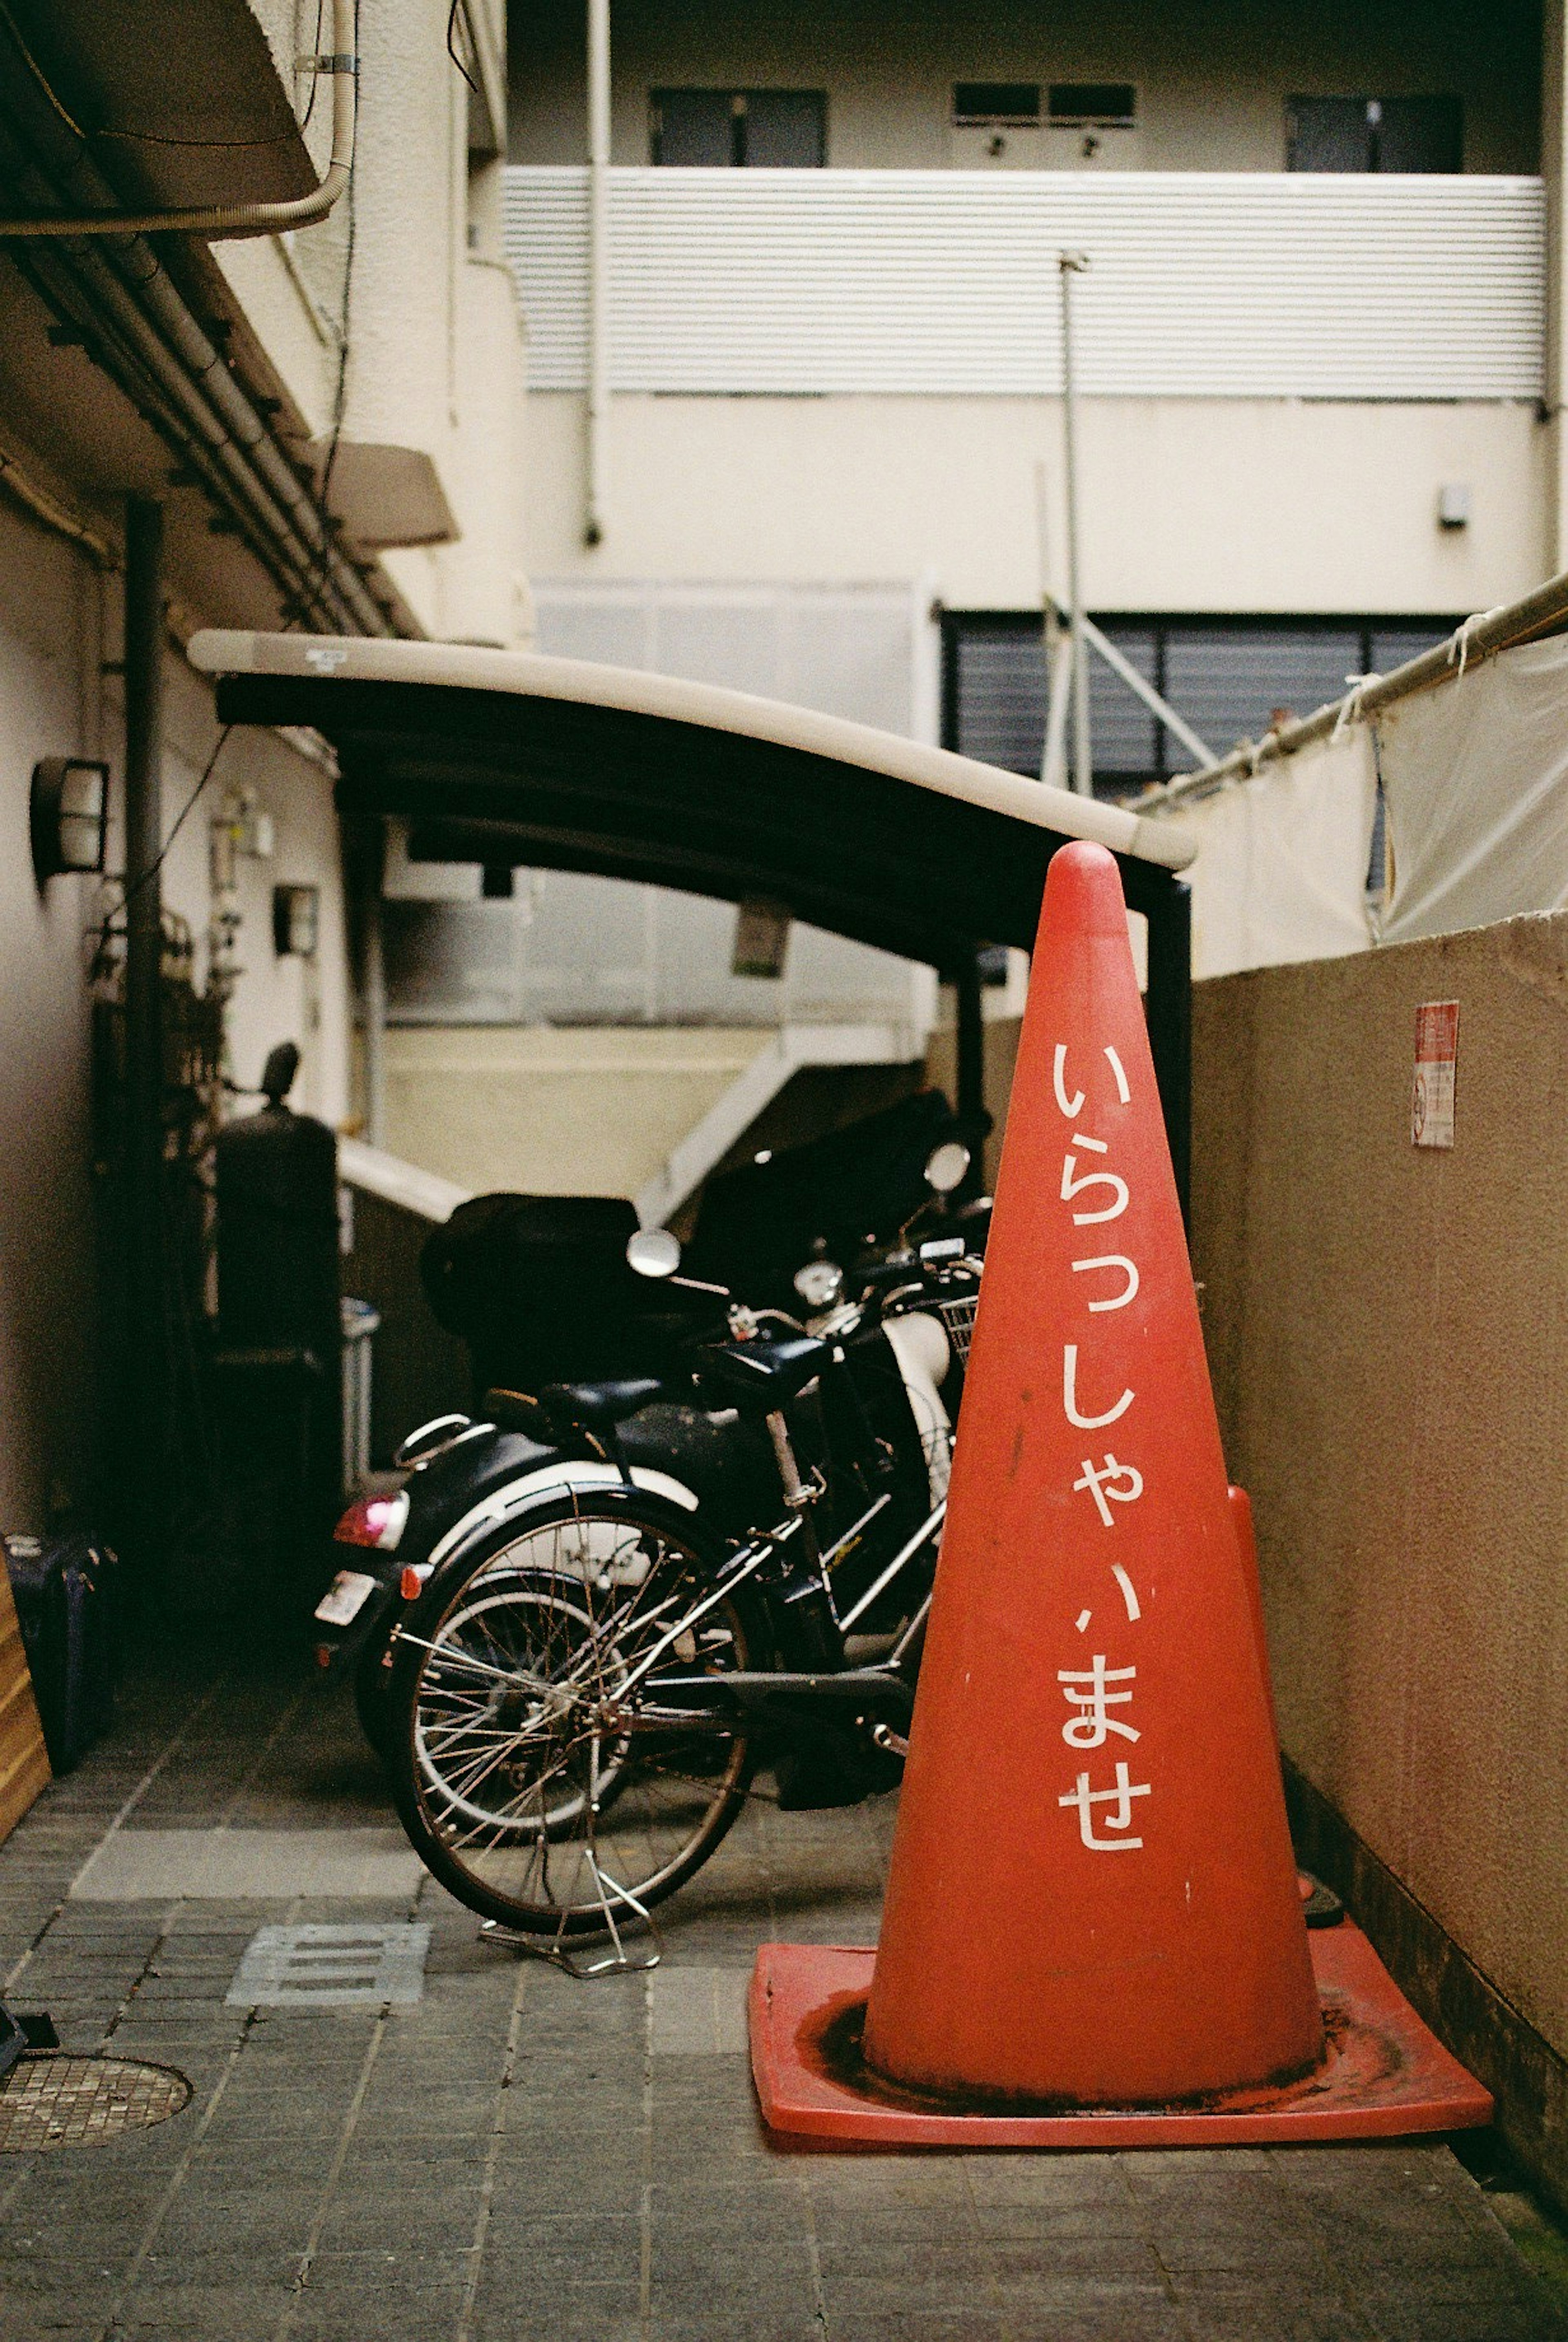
(958, 1317)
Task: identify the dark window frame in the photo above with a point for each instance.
(740, 103)
(1167, 758)
(1097, 107)
(998, 114)
(1371, 113)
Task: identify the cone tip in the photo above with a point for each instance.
(1083, 885)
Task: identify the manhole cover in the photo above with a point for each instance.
(50, 2101)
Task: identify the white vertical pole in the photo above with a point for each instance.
(1068, 265)
(598, 265)
(1057, 647)
(1554, 173)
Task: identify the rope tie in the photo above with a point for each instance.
(1459, 646)
(1350, 707)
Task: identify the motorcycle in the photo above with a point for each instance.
(560, 1328)
(580, 1688)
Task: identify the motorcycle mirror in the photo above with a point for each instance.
(947, 1167)
(819, 1284)
(654, 1252)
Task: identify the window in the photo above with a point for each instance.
(1375, 134)
(1093, 106)
(1229, 677)
(996, 104)
(768, 129)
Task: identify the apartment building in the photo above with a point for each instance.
(327, 417)
(793, 290)
(806, 434)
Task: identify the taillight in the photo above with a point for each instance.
(375, 1521)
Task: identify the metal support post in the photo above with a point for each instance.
(142, 1365)
(1069, 265)
(971, 1068)
(1142, 688)
(374, 991)
(1169, 1008)
(598, 266)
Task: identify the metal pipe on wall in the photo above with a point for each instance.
(211, 221)
(140, 327)
(142, 1362)
(598, 266)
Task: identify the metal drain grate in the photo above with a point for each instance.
(49, 2101)
(318, 1967)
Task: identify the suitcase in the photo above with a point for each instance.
(67, 1600)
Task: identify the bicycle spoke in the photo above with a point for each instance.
(552, 1797)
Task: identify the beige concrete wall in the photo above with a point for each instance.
(275, 998)
(49, 643)
(1388, 1333)
(436, 361)
(578, 1111)
(1246, 504)
(1212, 78)
(58, 624)
(436, 364)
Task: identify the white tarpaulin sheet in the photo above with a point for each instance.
(1475, 773)
(1281, 872)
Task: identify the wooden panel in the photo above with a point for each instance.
(23, 1761)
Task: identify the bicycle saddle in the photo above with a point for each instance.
(597, 1406)
(761, 1375)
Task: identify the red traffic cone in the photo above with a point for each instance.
(1093, 1895)
(1093, 1899)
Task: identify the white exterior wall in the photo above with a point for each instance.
(1245, 505)
(1297, 471)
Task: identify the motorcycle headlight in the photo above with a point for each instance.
(819, 1284)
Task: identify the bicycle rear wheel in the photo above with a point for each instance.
(538, 1782)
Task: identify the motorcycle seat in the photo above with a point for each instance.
(763, 1374)
(515, 1410)
(597, 1406)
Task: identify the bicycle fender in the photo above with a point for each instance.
(571, 1476)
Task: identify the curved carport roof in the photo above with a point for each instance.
(500, 756)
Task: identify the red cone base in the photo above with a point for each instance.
(1382, 2075)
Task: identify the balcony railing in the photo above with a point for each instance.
(1201, 285)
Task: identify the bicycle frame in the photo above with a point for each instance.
(890, 1682)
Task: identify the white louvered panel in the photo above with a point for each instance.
(545, 226)
(1201, 284)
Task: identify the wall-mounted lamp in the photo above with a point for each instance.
(68, 813)
(295, 921)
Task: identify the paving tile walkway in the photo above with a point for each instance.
(520, 2158)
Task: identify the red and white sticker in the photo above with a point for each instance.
(1436, 1058)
